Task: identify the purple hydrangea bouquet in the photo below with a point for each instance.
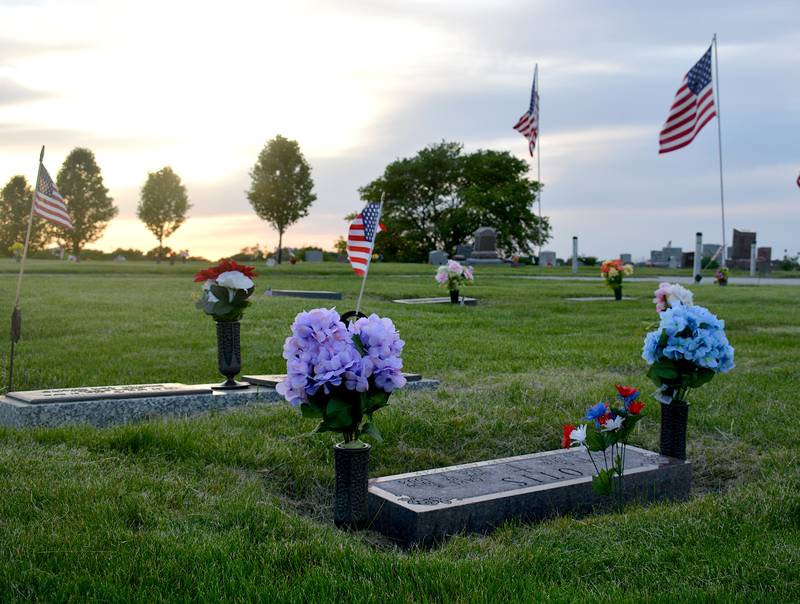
(342, 373)
(687, 350)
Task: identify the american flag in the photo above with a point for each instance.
(692, 109)
(48, 202)
(361, 237)
(528, 124)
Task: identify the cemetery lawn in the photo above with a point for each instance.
(236, 506)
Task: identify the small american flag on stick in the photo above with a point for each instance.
(361, 237)
(48, 202)
(528, 124)
(692, 109)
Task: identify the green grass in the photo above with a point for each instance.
(236, 506)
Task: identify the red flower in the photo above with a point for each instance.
(635, 407)
(223, 267)
(602, 420)
(627, 391)
(568, 428)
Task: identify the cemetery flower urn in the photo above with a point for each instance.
(341, 373)
(613, 272)
(674, 417)
(687, 350)
(452, 275)
(351, 464)
(227, 288)
(721, 276)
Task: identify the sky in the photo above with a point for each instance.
(202, 86)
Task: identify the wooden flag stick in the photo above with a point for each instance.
(369, 259)
(16, 314)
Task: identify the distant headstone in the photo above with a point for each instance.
(437, 257)
(313, 256)
(673, 261)
(463, 300)
(120, 258)
(426, 507)
(547, 258)
(485, 247)
(271, 262)
(626, 258)
(462, 252)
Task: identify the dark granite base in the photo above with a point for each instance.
(427, 507)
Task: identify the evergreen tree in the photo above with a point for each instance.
(282, 189)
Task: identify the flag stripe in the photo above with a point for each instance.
(48, 202)
(528, 124)
(361, 237)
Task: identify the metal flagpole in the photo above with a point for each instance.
(719, 140)
(538, 146)
(16, 314)
(369, 259)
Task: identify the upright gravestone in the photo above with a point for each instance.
(485, 248)
(626, 258)
(313, 256)
(437, 257)
(462, 252)
(547, 258)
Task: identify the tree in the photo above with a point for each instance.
(438, 198)
(89, 205)
(15, 208)
(282, 189)
(163, 205)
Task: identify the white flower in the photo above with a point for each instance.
(207, 289)
(678, 293)
(233, 280)
(578, 434)
(613, 424)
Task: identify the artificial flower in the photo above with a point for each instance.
(614, 423)
(578, 435)
(566, 435)
(635, 407)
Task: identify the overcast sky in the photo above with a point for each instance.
(202, 86)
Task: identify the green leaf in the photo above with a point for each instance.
(603, 483)
(372, 401)
(308, 410)
(337, 415)
(359, 345)
(371, 429)
(595, 441)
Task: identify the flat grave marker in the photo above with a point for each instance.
(426, 507)
(272, 380)
(299, 293)
(599, 299)
(466, 301)
(93, 393)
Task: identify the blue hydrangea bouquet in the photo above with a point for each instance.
(686, 351)
(342, 373)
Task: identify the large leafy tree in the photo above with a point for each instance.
(282, 189)
(163, 205)
(439, 197)
(88, 202)
(15, 207)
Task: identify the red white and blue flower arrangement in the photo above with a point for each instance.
(607, 434)
(342, 373)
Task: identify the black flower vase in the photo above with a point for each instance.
(229, 356)
(352, 471)
(673, 429)
(618, 293)
(454, 296)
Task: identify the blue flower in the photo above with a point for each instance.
(596, 411)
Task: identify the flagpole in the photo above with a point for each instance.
(538, 147)
(16, 314)
(719, 141)
(369, 258)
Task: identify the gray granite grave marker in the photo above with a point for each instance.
(485, 248)
(466, 301)
(299, 293)
(92, 393)
(425, 507)
(437, 257)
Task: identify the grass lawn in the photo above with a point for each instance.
(236, 506)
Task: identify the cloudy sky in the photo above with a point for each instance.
(201, 86)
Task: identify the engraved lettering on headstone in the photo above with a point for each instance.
(570, 471)
(417, 482)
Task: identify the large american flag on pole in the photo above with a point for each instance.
(361, 237)
(692, 109)
(48, 202)
(528, 124)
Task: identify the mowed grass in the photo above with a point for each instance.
(236, 506)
